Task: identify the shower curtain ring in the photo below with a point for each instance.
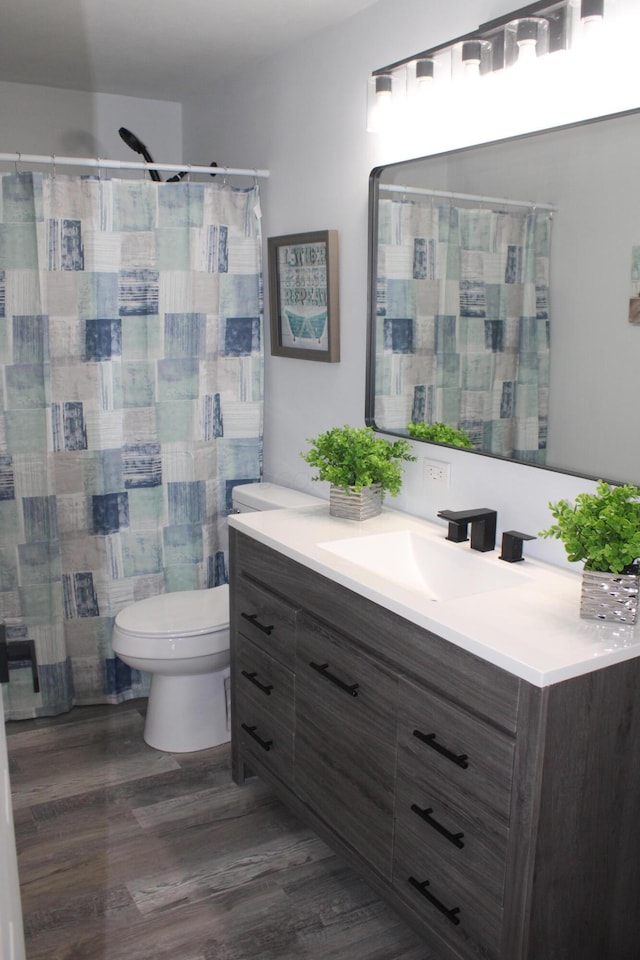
(53, 164)
(189, 174)
(19, 160)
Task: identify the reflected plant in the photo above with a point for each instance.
(439, 433)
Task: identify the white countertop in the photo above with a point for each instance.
(532, 629)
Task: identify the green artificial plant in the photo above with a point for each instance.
(354, 457)
(602, 529)
(439, 433)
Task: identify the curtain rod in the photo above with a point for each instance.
(427, 192)
(99, 163)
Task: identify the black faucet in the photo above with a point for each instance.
(483, 527)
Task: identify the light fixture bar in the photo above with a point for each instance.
(492, 30)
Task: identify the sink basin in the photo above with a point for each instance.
(438, 570)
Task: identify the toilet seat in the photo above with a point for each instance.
(185, 613)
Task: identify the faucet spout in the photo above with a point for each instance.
(483, 527)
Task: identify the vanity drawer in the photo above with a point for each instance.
(345, 740)
(266, 619)
(466, 915)
(264, 681)
(261, 736)
(438, 743)
(475, 845)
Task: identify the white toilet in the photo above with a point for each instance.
(182, 640)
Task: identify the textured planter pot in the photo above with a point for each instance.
(349, 505)
(609, 596)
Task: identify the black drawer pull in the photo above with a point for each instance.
(454, 838)
(322, 669)
(253, 618)
(450, 914)
(430, 740)
(266, 688)
(265, 744)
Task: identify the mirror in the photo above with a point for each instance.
(504, 296)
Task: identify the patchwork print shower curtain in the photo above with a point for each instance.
(131, 380)
(463, 322)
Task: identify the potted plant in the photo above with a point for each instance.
(439, 433)
(602, 530)
(360, 467)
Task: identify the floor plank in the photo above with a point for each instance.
(128, 853)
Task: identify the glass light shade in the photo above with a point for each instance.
(384, 93)
(425, 70)
(471, 58)
(592, 9)
(525, 40)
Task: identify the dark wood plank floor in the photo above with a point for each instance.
(126, 853)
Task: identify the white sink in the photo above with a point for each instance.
(438, 569)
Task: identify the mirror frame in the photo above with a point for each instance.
(373, 222)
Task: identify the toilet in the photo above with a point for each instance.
(182, 640)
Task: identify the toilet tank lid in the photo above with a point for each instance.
(270, 496)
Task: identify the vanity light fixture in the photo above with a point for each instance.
(524, 36)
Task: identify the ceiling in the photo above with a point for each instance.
(156, 49)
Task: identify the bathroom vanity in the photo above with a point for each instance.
(474, 755)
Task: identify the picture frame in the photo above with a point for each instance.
(303, 296)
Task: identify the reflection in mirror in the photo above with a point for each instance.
(501, 296)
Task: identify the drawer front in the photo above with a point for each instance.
(264, 681)
(266, 619)
(445, 747)
(473, 849)
(345, 741)
(262, 737)
(468, 918)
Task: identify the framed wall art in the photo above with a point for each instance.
(303, 296)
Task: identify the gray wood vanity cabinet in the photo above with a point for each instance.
(501, 819)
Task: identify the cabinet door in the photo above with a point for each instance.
(345, 740)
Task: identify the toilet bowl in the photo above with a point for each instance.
(182, 640)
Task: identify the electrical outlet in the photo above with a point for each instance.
(437, 471)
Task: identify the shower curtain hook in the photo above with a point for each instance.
(189, 173)
(19, 160)
(53, 163)
(99, 168)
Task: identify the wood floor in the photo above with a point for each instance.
(126, 853)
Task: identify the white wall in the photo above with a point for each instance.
(303, 116)
(46, 120)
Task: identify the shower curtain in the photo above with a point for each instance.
(463, 322)
(131, 373)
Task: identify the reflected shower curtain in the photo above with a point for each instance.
(463, 322)
(131, 378)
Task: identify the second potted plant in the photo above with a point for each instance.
(360, 467)
(602, 530)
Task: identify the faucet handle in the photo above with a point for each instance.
(512, 541)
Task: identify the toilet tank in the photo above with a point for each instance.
(248, 497)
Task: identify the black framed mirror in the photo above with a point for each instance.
(504, 296)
